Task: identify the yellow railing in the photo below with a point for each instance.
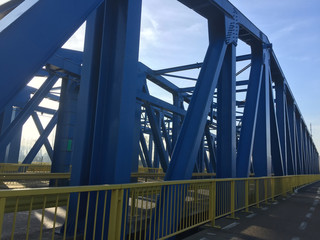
(134, 211)
(150, 170)
(156, 174)
(29, 175)
(18, 167)
(23, 180)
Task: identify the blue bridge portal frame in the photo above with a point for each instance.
(108, 123)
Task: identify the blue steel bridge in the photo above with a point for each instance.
(137, 165)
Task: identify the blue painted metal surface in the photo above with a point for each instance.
(222, 123)
(188, 142)
(41, 45)
(18, 122)
(226, 116)
(245, 144)
(63, 144)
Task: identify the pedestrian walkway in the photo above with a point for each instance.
(295, 217)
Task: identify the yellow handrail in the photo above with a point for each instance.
(155, 210)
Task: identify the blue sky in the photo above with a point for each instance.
(173, 34)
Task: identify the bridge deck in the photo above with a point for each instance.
(295, 217)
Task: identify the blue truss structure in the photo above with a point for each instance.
(108, 123)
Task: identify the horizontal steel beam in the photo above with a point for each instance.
(209, 8)
(194, 66)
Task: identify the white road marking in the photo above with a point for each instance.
(303, 225)
(204, 238)
(312, 209)
(316, 202)
(264, 208)
(230, 226)
(295, 238)
(308, 215)
(251, 215)
(212, 234)
(275, 202)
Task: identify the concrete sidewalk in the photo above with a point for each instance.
(296, 217)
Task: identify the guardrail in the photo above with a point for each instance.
(18, 167)
(144, 174)
(136, 211)
(20, 180)
(159, 176)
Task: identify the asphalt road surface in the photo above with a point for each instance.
(295, 217)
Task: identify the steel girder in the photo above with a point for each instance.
(222, 124)
(207, 124)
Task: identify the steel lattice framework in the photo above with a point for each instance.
(108, 122)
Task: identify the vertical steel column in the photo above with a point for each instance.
(156, 147)
(292, 128)
(115, 110)
(86, 108)
(176, 121)
(6, 120)
(308, 150)
(201, 157)
(211, 149)
(248, 128)
(141, 78)
(145, 150)
(299, 143)
(108, 102)
(275, 140)
(63, 144)
(81, 158)
(166, 135)
(262, 141)
(290, 165)
(281, 118)
(303, 147)
(226, 116)
(14, 146)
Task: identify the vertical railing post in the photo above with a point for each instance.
(246, 193)
(115, 218)
(272, 189)
(232, 200)
(265, 181)
(284, 186)
(212, 205)
(2, 207)
(290, 185)
(257, 194)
